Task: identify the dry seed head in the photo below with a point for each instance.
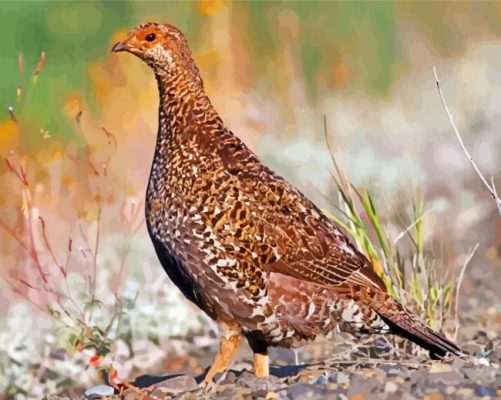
(20, 64)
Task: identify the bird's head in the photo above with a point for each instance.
(161, 46)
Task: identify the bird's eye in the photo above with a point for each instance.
(150, 37)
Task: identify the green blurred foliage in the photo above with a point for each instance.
(71, 33)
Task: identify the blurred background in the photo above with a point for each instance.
(79, 139)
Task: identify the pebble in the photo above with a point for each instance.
(259, 384)
(58, 354)
(484, 391)
(271, 396)
(446, 377)
(390, 387)
(176, 385)
(439, 367)
(491, 311)
(465, 392)
(304, 391)
(399, 380)
(99, 391)
(434, 396)
(130, 395)
(483, 361)
(343, 378)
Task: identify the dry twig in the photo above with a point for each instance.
(489, 186)
(458, 287)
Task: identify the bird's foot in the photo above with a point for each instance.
(208, 386)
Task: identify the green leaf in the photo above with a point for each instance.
(416, 290)
(433, 294)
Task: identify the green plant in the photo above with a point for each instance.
(399, 253)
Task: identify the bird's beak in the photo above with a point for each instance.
(119, 46)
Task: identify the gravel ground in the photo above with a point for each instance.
(338, 368)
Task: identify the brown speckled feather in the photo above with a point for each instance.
(240, 241)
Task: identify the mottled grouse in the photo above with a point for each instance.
(240, 242)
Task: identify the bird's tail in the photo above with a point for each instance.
(408, 325)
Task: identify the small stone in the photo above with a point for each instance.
(434, 396)
(271, 396)
(258, 384)
(304, 391)
(399, 380)
(465, 392)
(439, 367)
(390, 387)
(483, 361)
(176, 385)
(491, 311)
(131, 394)
(458, 363)
(322, 380)
(343, 378)
(446, 378)
(229, 379)
(99, 391)
(58, 354)
(368, 373)
(484, 391)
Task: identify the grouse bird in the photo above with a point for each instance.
(242, 243)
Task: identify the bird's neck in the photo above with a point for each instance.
(184, 106)
(187, 120)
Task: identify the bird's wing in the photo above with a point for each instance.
(302, 241)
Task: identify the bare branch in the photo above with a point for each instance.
(491, 189)
(496, 194)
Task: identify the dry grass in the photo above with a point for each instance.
(399, 251)
(59, 276)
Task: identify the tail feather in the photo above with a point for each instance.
(411, 327)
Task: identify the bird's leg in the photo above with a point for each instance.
(229, 342)
(261, 365)
(260, 348)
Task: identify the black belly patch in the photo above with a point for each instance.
(177, 273)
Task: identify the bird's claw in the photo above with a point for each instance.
(208, 386)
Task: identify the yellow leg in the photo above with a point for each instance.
(261, 365)
(229, 342)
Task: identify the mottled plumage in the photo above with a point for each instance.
(241, 242)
